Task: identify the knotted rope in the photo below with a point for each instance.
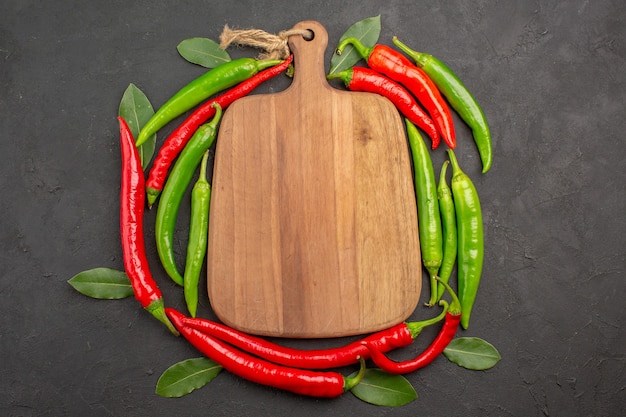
(274, 46)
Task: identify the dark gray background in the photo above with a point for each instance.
(550, 76)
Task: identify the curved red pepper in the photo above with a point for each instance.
(446, 334)
(176, 141)
(299, 381)
(132, 200)
(398, 336)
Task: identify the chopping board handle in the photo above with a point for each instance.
(309, 72)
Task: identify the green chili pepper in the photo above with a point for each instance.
(219, 78)
(448, 226)
(198, 237)
(459, 97)
(429, 219)
(471, 249)
(174, 189)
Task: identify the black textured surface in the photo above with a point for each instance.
(550, 76)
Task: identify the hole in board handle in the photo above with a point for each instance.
(310, 36)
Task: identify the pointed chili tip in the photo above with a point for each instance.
(486, 165)
(351, 382)
(380, 359)
(175, 316)
(151, 195)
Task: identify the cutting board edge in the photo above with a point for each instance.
(320, 335)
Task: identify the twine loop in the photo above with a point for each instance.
(273, 46)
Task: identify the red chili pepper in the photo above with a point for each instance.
(366, 79)
(446, 334)
(132, 199)
(400, 335)
(396, 66)
(177, 140)
(299, 381)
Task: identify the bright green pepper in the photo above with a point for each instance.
(428, 217)
(211, 82)
(198, 237)
(471, 247)
(175, 188)
(448, 226)
(459, 97)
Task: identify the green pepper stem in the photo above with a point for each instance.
(351, 382)
(203, 164)
(361, 49)
(157, 309)
(345, 76)
(416, 327)
(456, 169)
(433, 286)
(455, 306)
(218, 116)
(420, 58)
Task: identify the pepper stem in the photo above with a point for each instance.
(203, 164)
(456, 169)
(361, 49)
(350, 382)
(157, 309)
(345, 76)
(455, 306)
(433, 286)
(152, 195)
(419, 57)
(217, 117)
(416, 327)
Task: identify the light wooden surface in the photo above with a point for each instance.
(313, 226)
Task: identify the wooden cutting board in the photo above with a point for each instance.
(313, 226)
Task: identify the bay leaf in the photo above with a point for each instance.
(380, 388)
(102, 283)
(472, 353)
(186, 376)
(203, 51)
(367, 31)
(136, 110)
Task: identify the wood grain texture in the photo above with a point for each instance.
(313, 227)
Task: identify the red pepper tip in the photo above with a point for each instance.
(157, 309)
(175, 316)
